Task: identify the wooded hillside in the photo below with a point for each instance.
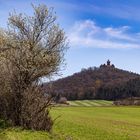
(104, 82)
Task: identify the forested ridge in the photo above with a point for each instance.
(104, 82)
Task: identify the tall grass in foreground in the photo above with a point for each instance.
(85, 123)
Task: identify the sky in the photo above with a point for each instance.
(97, 30)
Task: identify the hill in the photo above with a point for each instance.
(104, 82)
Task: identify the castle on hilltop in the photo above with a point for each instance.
(108, 64)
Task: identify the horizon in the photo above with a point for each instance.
(97, 30)
(45, 81)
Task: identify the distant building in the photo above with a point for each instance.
(108, 64)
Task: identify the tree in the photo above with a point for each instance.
(31, 48)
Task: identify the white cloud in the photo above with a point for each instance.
(88, 34)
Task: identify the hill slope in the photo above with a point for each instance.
(105, 82)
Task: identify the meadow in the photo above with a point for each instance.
(85, 122)
(90, 103)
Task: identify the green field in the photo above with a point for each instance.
(90, 103)
(86, 123)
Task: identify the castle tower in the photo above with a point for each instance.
(108, 65)
(108, 62)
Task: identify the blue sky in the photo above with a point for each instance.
(97, 30)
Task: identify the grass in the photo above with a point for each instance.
(90, 103)
(19, 134)
(98, 123)
(85, 122)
